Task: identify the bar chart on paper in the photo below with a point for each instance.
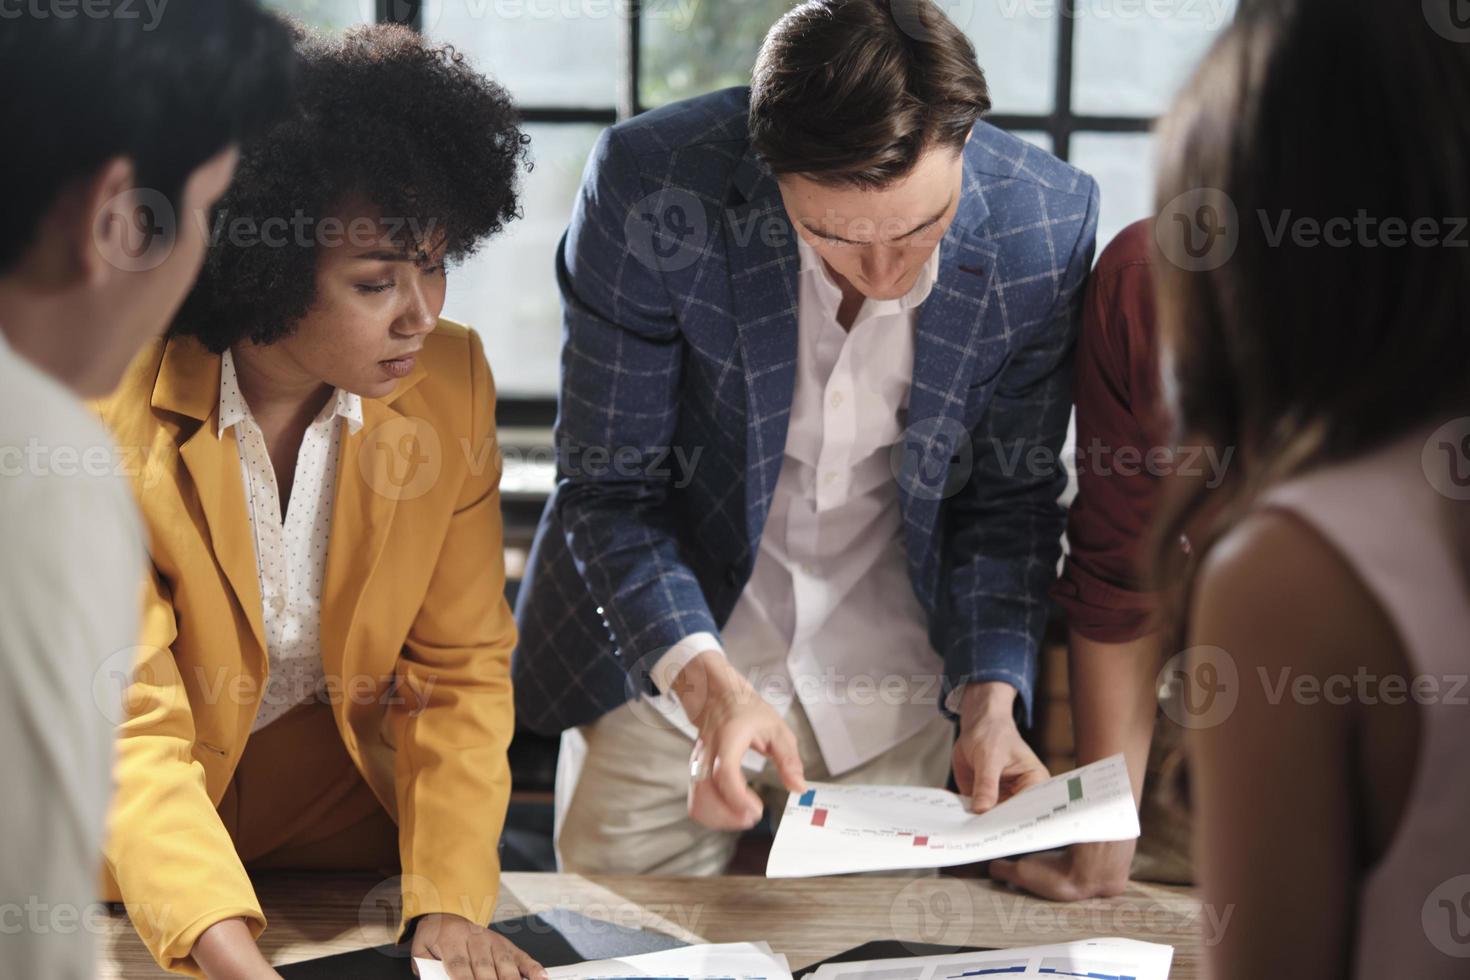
(834, 829)
(1094, 959)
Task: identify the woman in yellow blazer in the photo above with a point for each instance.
(323, 680)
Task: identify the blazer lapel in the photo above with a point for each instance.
(188, 384)
(377, 466)
(948, 341)
(764, 266)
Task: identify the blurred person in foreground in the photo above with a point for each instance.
(1314, 295)
(121, 131)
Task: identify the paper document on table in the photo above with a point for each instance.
(1096, 959)
(834, 829)
(725, 961)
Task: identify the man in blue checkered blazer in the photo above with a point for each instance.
(815, 382)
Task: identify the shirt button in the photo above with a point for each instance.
(829, 477)
(836, 399)
(277, 603)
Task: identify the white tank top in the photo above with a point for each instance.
(1385, 513)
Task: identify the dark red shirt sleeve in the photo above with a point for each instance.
(1120, 427)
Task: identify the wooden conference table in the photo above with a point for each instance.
(808, 919)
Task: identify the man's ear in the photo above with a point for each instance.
(99, 219)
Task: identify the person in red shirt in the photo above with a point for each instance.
(1115, 642)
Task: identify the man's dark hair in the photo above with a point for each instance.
(384, 119)
(855, 91)
(168, 91)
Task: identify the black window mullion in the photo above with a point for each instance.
(407, 12)
(629, 101)
(1065, 124)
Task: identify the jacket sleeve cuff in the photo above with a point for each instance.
(176, 953)
(1021, 680)
(680, 654)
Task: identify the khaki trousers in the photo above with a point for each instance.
(622, 786)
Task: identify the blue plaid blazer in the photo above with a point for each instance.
(678, 276)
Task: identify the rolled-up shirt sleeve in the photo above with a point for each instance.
(1120, 429)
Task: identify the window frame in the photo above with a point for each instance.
(1061, 124)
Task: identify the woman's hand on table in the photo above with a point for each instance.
(470, 951)
(1080, 872)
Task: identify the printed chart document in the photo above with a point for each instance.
(711, 961)
(1095, 959)
(832, 829)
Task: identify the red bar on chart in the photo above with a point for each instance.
(921, 841)
(819, 817)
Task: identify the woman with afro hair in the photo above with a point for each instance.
(323, 680)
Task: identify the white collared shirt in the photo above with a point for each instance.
(290, 553)
(829, 615)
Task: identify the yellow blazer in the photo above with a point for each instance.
(414, 621)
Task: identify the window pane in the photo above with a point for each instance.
(694, 47)
(331, 15)
(507, 291)
(1132, 56)
(1123, 164)
(690, 47)
(1035, 138)
(1016, 43)
(546, 52)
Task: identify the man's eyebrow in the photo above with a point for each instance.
(896, 238)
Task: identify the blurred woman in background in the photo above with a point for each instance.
(1315, 299)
